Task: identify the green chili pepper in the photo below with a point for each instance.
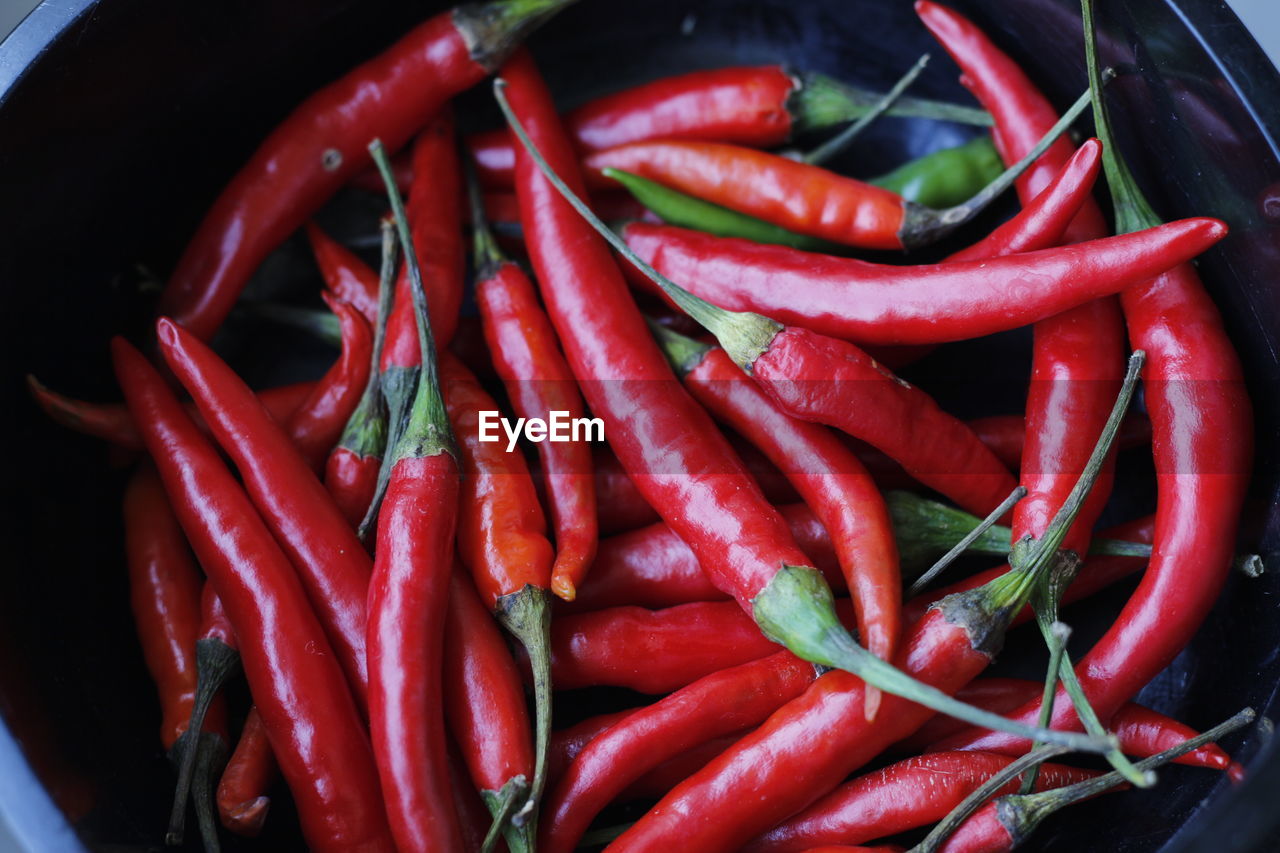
(947, 177)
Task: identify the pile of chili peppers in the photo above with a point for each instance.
(744, 544)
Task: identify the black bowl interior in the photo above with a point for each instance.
(119, 121)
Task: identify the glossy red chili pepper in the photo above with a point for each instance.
(409, 593)
(1097, 573)
(901, 797)
(931, 303)
(1202, 441)
(321, 144)
(313, 722)
(682, 466)
(757, 106)
(242, 793)
(652, 651)
(112, 421)
(828, 476)
(345, 275)
(330, 560)
(653, 567)
(484, 700)
(164, 592)
(1141, 731)
(317, 424)
(538, 381)
(717, 704)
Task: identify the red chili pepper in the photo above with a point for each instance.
(1096, 573)
(330, 560)
(242, 793)
(717, 704)
(484, 703)
(318, 422)
(409, 594)
(314, 151)
(313, 722)
(354, 464)
(666, 442)
(1141, 731)
(345, 275)
(828, 476)
(757, 106)
(538, 381)
(901, 797)
(930, 303)
(112, 421)
(1202, 440)
(502, 540)
(652, 651)
(653, 567)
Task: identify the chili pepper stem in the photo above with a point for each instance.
(399, 388)
(526, 614)
(492, 30)
(321, 325)
(963, 545)
(821, 101)
(209, 763)
(216, 662)
(922, 225)
(502, 805)
(832, 147)
(1057, 637)
(488, 256)
(795, 607)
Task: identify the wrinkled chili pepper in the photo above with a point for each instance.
(717, 704)
(306, 705)
(1202, 440)
(318, 422)
(345, 275)
(112, 421)
(409, 594)
(828, 476)
(242, 793)
(926, 304)
(803, 198)
(748, 338)
(331, 563)
(758, 106)
(809, 745)
(907, 795)
(321, 144)
(351, 472)
(485, 705)
(538, 381)
(502, 541)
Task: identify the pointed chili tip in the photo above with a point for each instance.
(562, 586)
(247, 819)
(1235, 772)
(871, 702)
(167, 331)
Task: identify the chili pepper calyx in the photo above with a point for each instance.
(321, 325)
(840, 141)
(796, 609)
(983, 613)
(964, 544)
(492, 30)
(820, 101)
(503, 804)
(489, 258)
(526, 614)
(682, 352)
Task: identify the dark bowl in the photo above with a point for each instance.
(119, 121)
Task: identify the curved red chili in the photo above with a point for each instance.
(904, 796)
(330, 560)
(926, 304)
(318, 422)
(322, 143)
(828, 476)
(484, 700)
(112, 421)
(242, 793)
(717, 704)
(538, 381)
(306, 705)
(345, 275)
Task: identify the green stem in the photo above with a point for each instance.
(365, 433)
(488, 256)
(502, 805)
(683, 352)
(821, 101)
(963, 545)
(492, 30)
(924, 225)
(1057, 639)
(842, 140)
(399, 385)
(216, 663)
(322, 325)
(209, 764)
(526, 614)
